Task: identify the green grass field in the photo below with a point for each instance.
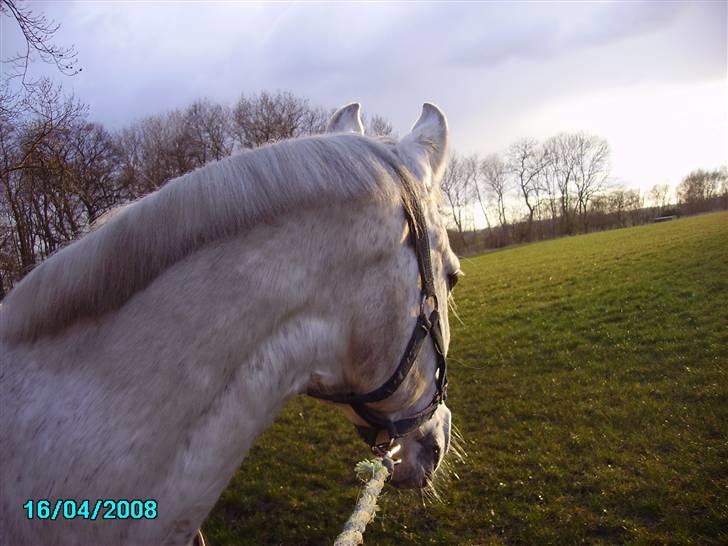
(589, 379)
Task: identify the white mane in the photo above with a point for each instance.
(106, 267)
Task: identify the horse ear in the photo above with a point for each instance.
(426, 145)
(346, 119)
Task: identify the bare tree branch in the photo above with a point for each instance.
(38, 32)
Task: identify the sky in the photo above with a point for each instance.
(650, 77)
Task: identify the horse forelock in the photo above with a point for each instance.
(106, 267)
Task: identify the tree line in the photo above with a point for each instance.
(59, 171)
(560, 186)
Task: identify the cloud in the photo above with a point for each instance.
(487, 64)
(543, 31)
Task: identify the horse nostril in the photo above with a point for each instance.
(436, 454)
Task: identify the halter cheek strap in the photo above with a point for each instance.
(426, 326)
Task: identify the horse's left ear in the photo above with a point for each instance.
(425, 148)
(346, 119)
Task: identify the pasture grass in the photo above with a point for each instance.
(589, 381)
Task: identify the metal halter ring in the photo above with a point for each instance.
(381, 450)
(425, 298)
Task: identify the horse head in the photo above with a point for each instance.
(396, 373)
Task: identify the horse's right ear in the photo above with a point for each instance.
(346, 119)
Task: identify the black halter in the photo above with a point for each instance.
(426, 325)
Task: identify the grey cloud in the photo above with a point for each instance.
(480, 61)
(544, 31)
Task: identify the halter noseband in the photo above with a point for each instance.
(425, 325)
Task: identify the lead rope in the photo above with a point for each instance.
(199, 539)
(375, 472)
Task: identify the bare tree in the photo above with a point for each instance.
(455, 188)
(561, 169)
(526, 160)
(36, 121)
(38, 33)
(698, 189)
(660, 195)
(131, 152)
(591, 155)
(162, 147)
(152, 152)
(39, 203)
(268, 117)
(620, 202)
(379, 126)
(46, 111)
(724, 186)
(208, 128)
(579, 165)
(549, 184)
(93, 167)
(472, 174)
(495, 179)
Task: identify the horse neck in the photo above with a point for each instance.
(193, 368)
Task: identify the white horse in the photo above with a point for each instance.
(142, 361)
